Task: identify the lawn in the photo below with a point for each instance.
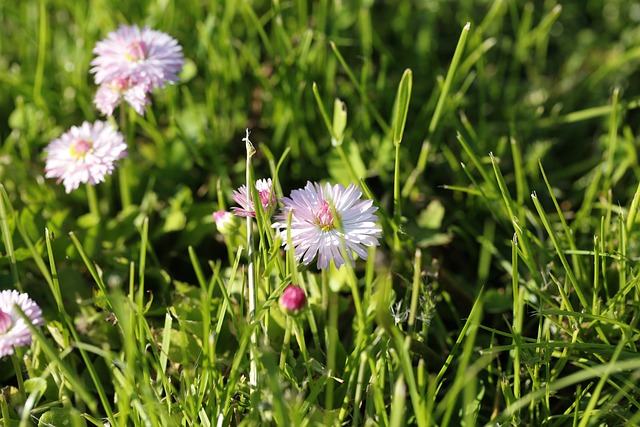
(379, 213)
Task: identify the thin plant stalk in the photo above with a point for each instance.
(123, 175)
(253, 374)
(92, 200)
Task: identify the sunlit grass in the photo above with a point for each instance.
(497, 140)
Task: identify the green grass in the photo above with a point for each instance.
(497, 138)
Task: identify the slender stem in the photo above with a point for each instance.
(253, 374)
(92, 199)
(285, 343)
(331, 346)
(18, 369)
(123, 175)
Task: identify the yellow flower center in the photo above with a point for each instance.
(136, 51)
(80, 148)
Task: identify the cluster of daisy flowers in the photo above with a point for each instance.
(129, 65)
(324, 222)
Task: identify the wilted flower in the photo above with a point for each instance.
(110, 94)
(398, 312)
(325, 219)
(265, 192)
(132, 62)
(84, 154)
(293, 298)
(13, 329)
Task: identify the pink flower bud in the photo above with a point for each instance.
(293, 298)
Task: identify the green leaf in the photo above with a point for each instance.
(431, 217)
(68, 417)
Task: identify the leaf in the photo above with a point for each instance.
(431, 217)
(68, 417)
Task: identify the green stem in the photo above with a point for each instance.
(18, 369)
(332, 337)
(124, 174)
(92, 199)
(253, 374)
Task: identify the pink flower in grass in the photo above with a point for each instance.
(142, 56)
(326, 220)
(225, 222)
(13, 329)
(293, 299)
(111, 94)
(84, 154)
(241, 197)
(130, 63)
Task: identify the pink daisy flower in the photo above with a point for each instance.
(13, 329)
(241, 197)
(293, 298)
(326, 218)
(141, 56)
(110, 94)
(84, 154)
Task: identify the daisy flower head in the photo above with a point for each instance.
(141, 56)
(325, 220)
(111, 94)
(13, 329)
(84, 154)
(244, 199)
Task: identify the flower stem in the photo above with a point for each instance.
(124, 173)
(253, 374)
(92, 199)
(18, 369)
(285, 343)
(332, 338)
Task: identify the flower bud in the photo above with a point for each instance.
(225, 222)
(293, 299)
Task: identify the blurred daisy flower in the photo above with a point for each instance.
(84, 154)
(225, 221)
(13, 329)
(131, 61)
(110, 94)
(293, 299)
(326, 218)
(267, 198)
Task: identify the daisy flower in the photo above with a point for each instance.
(141, 56)
(13, 329)
(241, 197)
(110, 94)
(325, 219)
(293, 299)
(84, 154)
